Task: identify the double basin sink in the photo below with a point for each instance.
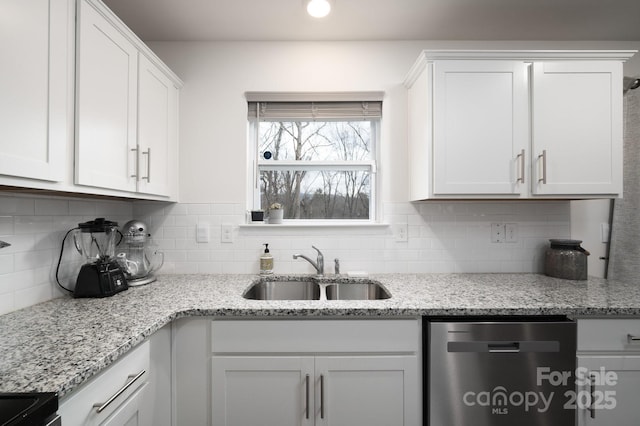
(315, 288)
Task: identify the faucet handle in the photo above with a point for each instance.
(319, 261)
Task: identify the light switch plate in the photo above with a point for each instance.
(202, 232)
(511, 232)
(226, 234)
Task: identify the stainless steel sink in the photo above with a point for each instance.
(314, 288)
(356, 291)
(283, 290)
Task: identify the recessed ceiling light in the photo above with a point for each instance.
(318, 8)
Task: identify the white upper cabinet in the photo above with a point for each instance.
(480, 126)
(107, 73)
(118, 136)
(577, 127)
(506, 124)
(127, 109)
(157, 129)
(36, 109)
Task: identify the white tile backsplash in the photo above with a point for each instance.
(35, 226)
(442, 237)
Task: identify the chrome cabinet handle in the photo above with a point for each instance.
(633, 339)
(148, 154)
(322, 396)
(306, 397)
(592, 407)
(132, 379)
(136, 150)
(543, 156)
(521, 171)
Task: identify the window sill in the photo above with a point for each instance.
(296, 225)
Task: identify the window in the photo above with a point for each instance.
(317, 159)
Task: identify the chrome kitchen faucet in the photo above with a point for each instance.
(318, 264)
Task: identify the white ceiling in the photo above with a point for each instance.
(286, 20)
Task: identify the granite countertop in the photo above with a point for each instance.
(57, 345)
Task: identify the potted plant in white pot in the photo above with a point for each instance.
(276, 213)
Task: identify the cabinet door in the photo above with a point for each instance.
(613, 403)
(157, 129)
(480, 127)
(577, 127)
(131, 412)
(367, 390)
(106, 108)
(265, 391)
(35, 82)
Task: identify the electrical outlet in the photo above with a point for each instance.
(202, 232)
(226, 236)
(498, 232)
(401, 232)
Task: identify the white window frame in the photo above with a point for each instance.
(255, 163)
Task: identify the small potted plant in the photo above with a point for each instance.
(276, 213)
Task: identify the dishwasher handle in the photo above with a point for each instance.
(504, 346)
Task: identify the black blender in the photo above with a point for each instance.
(100, 275)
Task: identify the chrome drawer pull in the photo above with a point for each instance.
(543, 158)
(148, 154)
(132, 379)
(592, 407)
(322, 396)
(136, 150)
(631, 339)
(521, 168)
(306, 396)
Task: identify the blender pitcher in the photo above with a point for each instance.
(100, 275)
(96, 240)
(135, 256)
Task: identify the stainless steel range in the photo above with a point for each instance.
(500, 372)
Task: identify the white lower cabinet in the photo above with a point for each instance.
(130, 412)
(259, 390)
(608, 379)
(134, 391)
(325, 390)
(298, 372)
(364, 390)
(113, 397)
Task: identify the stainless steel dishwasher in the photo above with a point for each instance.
(501, 372)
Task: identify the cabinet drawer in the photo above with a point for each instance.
(318, 336)
(78, 407)
(608, 334)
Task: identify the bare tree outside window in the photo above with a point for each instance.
(327, 168)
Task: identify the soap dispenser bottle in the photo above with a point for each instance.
(266, 262)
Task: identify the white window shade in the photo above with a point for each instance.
(267, 106)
